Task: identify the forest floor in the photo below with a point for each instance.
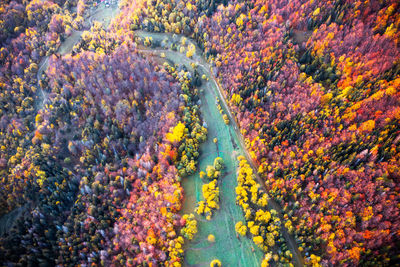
(192, 185)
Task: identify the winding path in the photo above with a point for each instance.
(66, 47)
(43, 97)
(207, 69)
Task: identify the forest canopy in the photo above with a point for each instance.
(96, 139)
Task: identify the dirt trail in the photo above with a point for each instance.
(101, 14)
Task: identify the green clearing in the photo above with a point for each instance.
(230, 249)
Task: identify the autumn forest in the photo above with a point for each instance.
(199, 133)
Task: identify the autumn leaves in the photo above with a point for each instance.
(262, 224)
(211, 195)
(210, 190)
(190, 228)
